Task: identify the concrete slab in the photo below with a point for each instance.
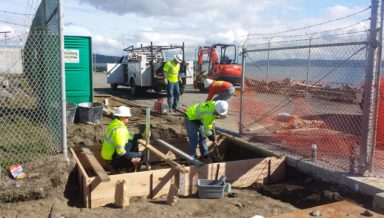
(378, 203)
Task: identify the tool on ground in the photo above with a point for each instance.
(215, 145)
(220, 181)
(161, 106)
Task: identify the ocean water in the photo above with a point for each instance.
(314, 75)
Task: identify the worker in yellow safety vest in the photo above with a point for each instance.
(119, 147)
(199, 120)
(171, 80)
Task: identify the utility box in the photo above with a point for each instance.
(78, 68)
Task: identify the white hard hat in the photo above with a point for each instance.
(123, 111)
(221, 107)
(207, 83)
(178, 58)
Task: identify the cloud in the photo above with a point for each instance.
(171, 8)
(75, 30)
(341, 10)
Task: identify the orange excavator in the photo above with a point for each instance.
(217, 62)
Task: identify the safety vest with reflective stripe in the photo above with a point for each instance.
(205, 112)
(171, 70)
(115, 139)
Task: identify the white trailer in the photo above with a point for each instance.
(141, 69)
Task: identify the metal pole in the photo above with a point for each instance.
(242, 90)
(62, 77)
(377, 82)
(269, 46)
(147, 135)
(369, 116)
(191, 159)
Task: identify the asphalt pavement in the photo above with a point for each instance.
(190, 97)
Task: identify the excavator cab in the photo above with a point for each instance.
(217, 62)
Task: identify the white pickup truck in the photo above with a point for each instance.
(141, 68)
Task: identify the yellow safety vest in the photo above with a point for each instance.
(171, 70)
(115, 139)
(205, 112)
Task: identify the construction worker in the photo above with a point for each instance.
(223, 89)
(171, 80)
(118, 145)
(199, 120)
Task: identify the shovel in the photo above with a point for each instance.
(215, 145)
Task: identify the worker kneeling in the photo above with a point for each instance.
(119, 146)
(199, 120)
(223, 89)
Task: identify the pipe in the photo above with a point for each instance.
(191, 159)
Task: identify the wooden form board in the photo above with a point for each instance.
(155, 183)
(333, 210)
(241, 173)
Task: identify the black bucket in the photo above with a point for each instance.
(71, 111)
(90, 112)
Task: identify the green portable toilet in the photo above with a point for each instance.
(78, 68)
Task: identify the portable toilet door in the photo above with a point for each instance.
(78, 69)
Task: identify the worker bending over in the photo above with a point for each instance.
(199, 120)
(119, 147)
(223, 89)
(171, 80)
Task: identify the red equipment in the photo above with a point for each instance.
(217, 67)
(161, 106)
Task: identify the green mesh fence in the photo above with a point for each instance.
(30, 98)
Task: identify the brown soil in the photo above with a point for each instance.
(50, 188)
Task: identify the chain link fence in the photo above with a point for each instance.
(306, 92)
(31, 125)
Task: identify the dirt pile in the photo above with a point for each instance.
(162, 126)
(42, 178)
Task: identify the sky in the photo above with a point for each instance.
(115, 24)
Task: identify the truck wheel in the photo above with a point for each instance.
(202, 88)
(133, 87)
(114, 86)
(182, 89)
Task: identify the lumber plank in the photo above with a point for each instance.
(95, 165)
(170, 162)
(140, 184)
(156, 183)
(241, 173)
(250, 146)
(334, 210)
(79, 164)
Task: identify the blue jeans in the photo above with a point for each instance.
(196, 135)
(173, 94)
(227, 94)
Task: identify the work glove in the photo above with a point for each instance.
(165, 82)
(211, 138)
(181, 80)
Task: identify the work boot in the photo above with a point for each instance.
(206, 159)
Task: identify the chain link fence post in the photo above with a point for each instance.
(243, 57)
(370, 95)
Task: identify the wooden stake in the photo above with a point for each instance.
(173, 194)
(121, 194)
